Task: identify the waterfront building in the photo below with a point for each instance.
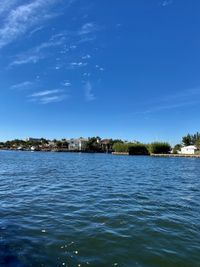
(189, 150)
(78, 144)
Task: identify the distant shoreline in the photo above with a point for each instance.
(113, 153)
(159, 155)
(52, 150)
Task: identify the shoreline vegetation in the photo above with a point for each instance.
(98, 145)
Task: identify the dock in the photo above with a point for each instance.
(175, 155)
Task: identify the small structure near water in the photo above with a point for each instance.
(188, 150)
(78, 144)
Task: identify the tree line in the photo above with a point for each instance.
(142, 149)
(191, 139)
(96, 144)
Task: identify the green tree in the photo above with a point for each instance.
(197, 143)
(196, 139)
(176, 148)
(160, 148)
(121, 147)
(65, 144)
(191, 139)
(187, 140)
(93, 145)
(44, 141)
(59, 144)
(138, 149)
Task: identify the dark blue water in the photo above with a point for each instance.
(66, 209)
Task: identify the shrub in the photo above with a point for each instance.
(120, 147)
(138, 149)
(160, 148)
(176, 149)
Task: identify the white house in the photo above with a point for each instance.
(189, 150)
(77, 144)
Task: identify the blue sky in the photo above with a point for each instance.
(120, 69)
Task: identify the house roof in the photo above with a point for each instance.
(190, 147)
(77, 140)
(105, 141)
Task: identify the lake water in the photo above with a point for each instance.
(98, 210)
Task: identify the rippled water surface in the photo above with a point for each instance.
(68, 209)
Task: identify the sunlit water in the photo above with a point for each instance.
(70, 209)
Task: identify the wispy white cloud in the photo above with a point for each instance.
(188, 94)
(38, 29)
(21, 86)
(72, 47)
(6, 5)
(55, 40)
(36, 54)
(48, 96)
(52, 99)
(46, 93)
(86, 39)
(86, 57)
(22, 59)
(172, 106)
(89, 95)
(66, 84)
(22, 18)
(86, 74)
(181, 99)
(99, 68)
(87, 28)
(78, 64)
(166, 3)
